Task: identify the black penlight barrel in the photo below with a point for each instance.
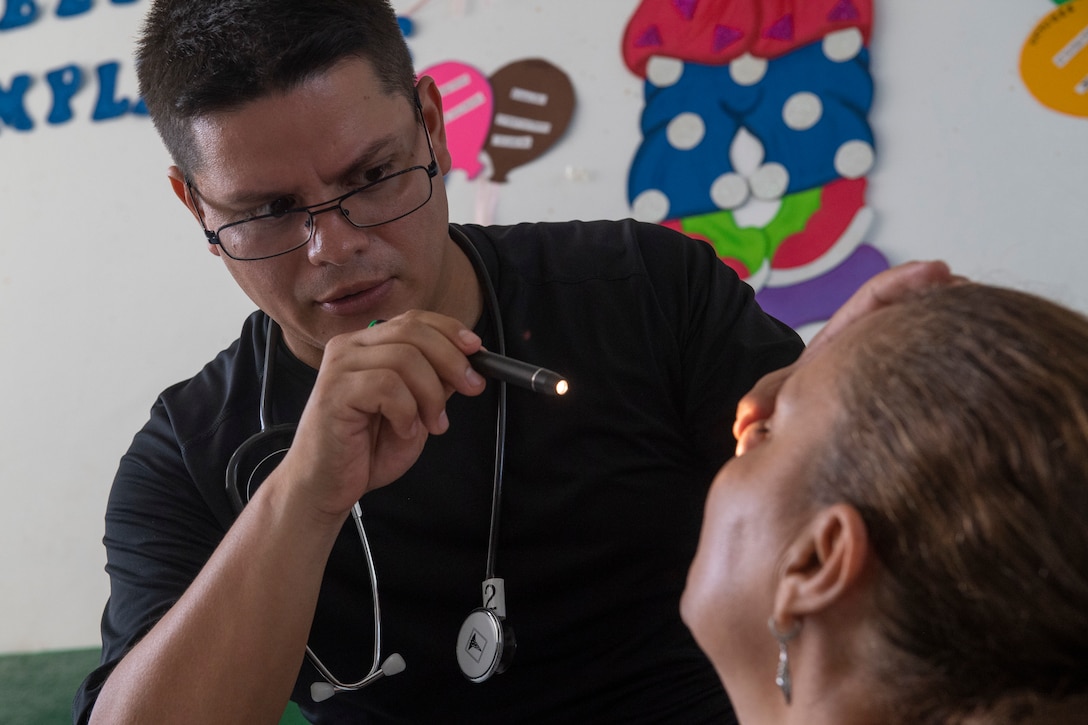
(516, 372)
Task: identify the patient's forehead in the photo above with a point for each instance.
(883, 326)
(875, 327)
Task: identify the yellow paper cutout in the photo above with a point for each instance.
(1054, 61)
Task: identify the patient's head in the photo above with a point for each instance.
(913, 519)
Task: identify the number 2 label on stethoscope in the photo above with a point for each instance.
(495, 596)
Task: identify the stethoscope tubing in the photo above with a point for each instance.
(273, 336)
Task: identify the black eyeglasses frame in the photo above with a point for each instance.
(313, 210)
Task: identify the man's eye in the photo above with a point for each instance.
(276, 208)
(378, 173)
(280, 206)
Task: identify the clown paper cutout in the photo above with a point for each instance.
(756, 140)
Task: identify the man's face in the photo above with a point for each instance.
(335, 132)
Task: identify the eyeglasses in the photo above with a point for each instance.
(381, 202)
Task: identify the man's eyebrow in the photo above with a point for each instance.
(246, 198)
(370, 155)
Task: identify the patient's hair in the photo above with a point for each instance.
(196, 57)
(964, 445)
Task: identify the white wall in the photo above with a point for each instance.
(107, 294)
(971, 168)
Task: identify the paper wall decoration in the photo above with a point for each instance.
(533, 105)
(756, 140)
(1054, 59)
(806, 110)
(467, 105)
(715, 32)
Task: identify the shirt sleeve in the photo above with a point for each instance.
(725, 340)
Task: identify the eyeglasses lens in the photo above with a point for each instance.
(384, 201)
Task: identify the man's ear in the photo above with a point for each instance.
(430, 99)
(181, 191)
(823, 564)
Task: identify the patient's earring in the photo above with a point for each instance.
(782, 675)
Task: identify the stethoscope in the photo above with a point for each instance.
(486, 642)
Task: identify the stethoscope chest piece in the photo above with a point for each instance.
(485, 645)
(254, 460)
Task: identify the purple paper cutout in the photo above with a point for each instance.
(816, 299)
(651, 38)
(724, 36)
(844, 11)
(686, 7)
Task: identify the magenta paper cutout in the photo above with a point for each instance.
(715, 32)
(467, 104)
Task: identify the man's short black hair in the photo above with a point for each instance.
(196, 57)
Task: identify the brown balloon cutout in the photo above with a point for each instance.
(533, 105)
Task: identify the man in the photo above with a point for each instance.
(276, 112)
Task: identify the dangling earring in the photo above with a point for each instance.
(782, 675)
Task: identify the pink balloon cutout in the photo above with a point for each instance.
(467, 102)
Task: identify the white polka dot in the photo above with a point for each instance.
(747, 70)
(854, 159)
(729, 191)
(770, 181)
(757, 213)
(651, 206)
(802, 111)
(843, 45)
(664, 72)
(745, 152)
(686, 131)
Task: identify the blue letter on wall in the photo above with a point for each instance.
(12, 108)
(18, 12)
(68, 8)
(64, 82)
(108, 106)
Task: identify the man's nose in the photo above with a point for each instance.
(334, 240)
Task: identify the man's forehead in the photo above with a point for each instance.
(347, 94)
(290, 131)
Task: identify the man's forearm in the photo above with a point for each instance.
(229, 650)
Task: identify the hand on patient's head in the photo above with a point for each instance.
(890, 287)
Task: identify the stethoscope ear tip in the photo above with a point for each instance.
(321, 691)
(393, 665)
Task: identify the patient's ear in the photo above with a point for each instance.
(824, 563)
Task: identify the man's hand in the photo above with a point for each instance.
(379, 394)
(887, 288)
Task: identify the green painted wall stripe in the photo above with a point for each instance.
(37, 689)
